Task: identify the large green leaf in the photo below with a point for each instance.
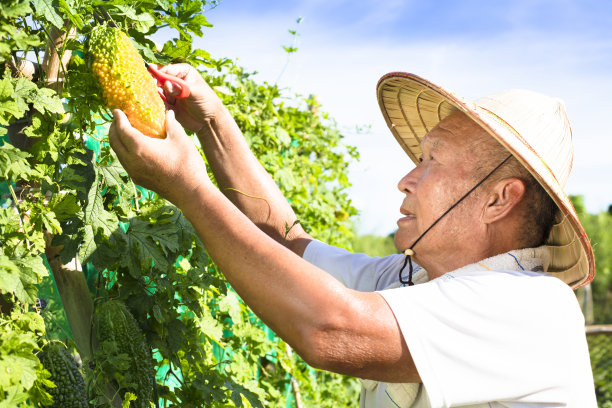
(46, 10)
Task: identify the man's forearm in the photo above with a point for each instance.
(287, 293)
(245, 182)
(330, 326)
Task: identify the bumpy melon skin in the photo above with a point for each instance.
(116, 324)
(70, 389)
(125, 82)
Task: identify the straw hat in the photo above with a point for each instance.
(532, 126)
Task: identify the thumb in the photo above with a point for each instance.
(174, 129)
(123, 130)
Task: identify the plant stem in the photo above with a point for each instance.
(135, 196)
(21, 219)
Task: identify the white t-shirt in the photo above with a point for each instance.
(491, 334)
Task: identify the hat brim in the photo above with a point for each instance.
(412, 106)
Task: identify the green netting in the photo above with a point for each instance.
(54, 310)
(600, 350)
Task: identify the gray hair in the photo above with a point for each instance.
(537, 208)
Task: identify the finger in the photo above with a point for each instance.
(178, 70)
(170, 99)
(115, 142)
(174, 129)
(171, 89)
(128, 136)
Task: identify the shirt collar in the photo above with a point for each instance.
(526, 259)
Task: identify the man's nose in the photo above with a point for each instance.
(407, 183)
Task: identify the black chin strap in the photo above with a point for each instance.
(410, 252)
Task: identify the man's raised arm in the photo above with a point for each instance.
(239, 174)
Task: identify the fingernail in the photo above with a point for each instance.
(174, 90)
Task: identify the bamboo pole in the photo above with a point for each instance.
(54, 65)
(76, 300)
(598, 329)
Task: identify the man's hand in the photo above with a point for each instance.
(172, 167)
(200, 105)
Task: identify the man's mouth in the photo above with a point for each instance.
(407, 215)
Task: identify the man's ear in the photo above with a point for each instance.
(503, 196)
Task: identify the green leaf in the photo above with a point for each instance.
(9, 275)
(30, 322)
(238, 391)
(128, 397)
(164, 4)
(74, 17)
(24, 40)
(210, 327)
(9, 107)
(46, 100)
(64, 205)
(196, 23)
(15, 395)
(24, 88)
(177, 49)
(151, 242)
(15, 9)
(34, 264)
(285, 179)
(19, 276)
(157, 313)
(231, 305)
(6, 88)
(38, 128)
(70, 245)
(13, 163)
(144, 22)
(96, 215)
(112, 174)
(283, 137)
(45, 9)
(88, 247)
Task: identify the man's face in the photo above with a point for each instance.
(444, 175)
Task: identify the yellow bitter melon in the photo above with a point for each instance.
(125, 82)
(70, 389)
(115, 324)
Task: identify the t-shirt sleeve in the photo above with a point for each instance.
(356, 271)
(495, 337)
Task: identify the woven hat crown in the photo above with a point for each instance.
(541, 121)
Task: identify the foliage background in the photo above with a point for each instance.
(67, 200)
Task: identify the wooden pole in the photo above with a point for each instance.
(54, 65)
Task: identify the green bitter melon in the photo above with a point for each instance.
(115, 324)
(70, 389)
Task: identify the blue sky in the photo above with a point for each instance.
(472, 47)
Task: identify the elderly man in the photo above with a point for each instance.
(477, 312)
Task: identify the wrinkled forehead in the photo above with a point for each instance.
(457, 129)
